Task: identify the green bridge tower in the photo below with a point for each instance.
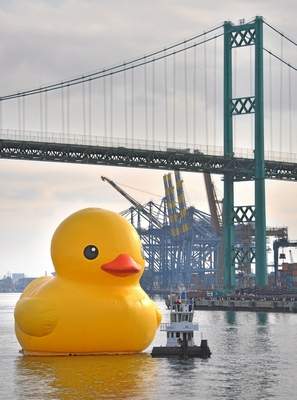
(246, 34)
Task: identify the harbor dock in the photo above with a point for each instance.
(286, 306)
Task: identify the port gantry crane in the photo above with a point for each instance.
(177, 241)
(180, 241)
(147, 220)
(282, 242)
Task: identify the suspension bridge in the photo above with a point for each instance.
(221, 102)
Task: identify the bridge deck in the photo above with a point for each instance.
(242, 168)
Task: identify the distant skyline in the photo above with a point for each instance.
(45, 41)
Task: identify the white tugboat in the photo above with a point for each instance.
(180, 331)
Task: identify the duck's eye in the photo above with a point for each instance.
(91, 252)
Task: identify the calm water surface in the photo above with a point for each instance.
(254, 357)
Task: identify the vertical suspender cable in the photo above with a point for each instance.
(294, 88)
(290, 110)
(153, 103)
(125, 107)
(84, 108)
(145, 105)
(186, 95)
(1, 116)
(62, 111)
(252, 90)
(166, 98)
(111, 106)
(194, 94)
(90, 110)
(19, 114)
(104, 110)
(23, 114)
(215, 93)
(173, 100)
(281, 98)
(270, 104)
(205, 94)
(40, 111)
(67, 110)
(45, 113)
(132, 105)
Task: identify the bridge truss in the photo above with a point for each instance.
(241, 168)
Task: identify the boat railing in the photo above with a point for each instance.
(183, 326)
(174, 311)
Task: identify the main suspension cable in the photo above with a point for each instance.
(280, 59)
(113, 70)
(280, 33)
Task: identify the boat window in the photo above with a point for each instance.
(177, 334)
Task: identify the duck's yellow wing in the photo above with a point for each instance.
(34, 315)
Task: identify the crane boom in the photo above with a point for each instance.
(183, 210)
(216, 222)
(135, 203)
(212, 202)
(215, 212)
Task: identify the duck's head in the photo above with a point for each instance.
(98, 246)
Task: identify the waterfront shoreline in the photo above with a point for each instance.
(247, 305)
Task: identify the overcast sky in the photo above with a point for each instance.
(45, 41)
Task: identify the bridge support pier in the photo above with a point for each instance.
(261, 262)
(250, 34)
(228, 205)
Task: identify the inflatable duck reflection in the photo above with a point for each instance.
(95, 303)
(131, 376)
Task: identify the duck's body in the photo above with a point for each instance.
(61, 315)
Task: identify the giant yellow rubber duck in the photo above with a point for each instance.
(94, 303)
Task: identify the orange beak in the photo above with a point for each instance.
(122, 266)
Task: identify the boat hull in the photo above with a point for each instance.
(201, 351)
